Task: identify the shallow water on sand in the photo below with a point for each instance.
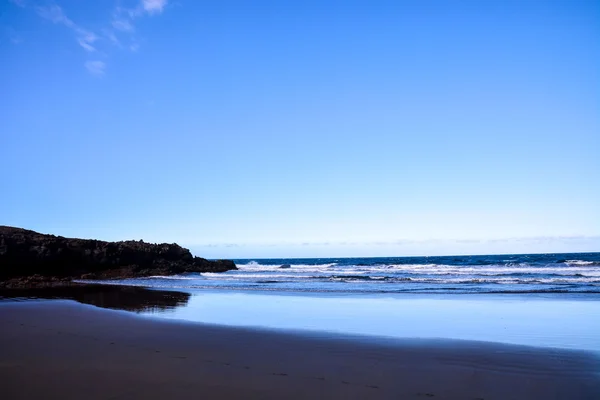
(570, 321)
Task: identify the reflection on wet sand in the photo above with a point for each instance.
(129, 298)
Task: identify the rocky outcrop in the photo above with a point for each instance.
(28, 255)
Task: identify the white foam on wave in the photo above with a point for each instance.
(440, 269)
(486, 280)
(579, 262)
(254, 266)
(586, 269)
(172, 277)
(505, 281)
(242, 276)
(569, 267)
(456, 279)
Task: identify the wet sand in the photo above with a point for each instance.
(65, 350)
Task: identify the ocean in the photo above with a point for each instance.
(542, 300)
(493, 274)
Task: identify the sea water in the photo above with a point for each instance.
(529, 273)
(548, 300)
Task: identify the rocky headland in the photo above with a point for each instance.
(29, 258)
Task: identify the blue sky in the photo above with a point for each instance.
(304, 128)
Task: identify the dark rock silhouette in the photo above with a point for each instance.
(28, 258)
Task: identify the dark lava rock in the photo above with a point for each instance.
(29, 258)
(285, 266)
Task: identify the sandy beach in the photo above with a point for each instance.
(65, 350)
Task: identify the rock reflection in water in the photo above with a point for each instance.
(129, 298)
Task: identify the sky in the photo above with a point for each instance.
(249, 129)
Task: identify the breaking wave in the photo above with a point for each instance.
(546, 273)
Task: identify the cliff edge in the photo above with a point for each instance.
(31, 257)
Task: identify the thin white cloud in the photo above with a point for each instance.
(154, 6)
(134, 46)
(122, 21)
(122, 24)
(123, 18)
(423, 242)
(86, 39)
(55, 14)
(110, 35)
(96, 68)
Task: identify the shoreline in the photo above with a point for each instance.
(511, 319)
(73, 351)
